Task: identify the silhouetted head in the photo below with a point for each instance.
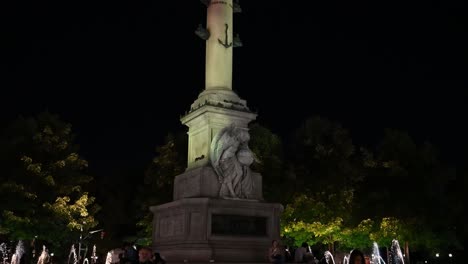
(304, 245)
(356, 257)
(145, 254)
(274, 243)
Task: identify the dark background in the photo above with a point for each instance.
(123, 73)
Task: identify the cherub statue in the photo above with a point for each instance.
(231, 157)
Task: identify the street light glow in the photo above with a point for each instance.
(437, 255)
(450, 255)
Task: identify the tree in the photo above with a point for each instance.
(44, 182)
(268, 150)
(327, 169)
(408, 188)
(308, 218)
(357, 237)
(116, 193)
(157, 188)
(324, 157)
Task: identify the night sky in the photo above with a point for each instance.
(123, 73)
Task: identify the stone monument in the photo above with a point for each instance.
(218, 213)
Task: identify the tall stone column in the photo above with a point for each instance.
(218, 105)
(219, 46)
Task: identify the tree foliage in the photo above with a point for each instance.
(357, 236)
(398, 191)
(157, 188)
(324, 157)
(320, 219)
(43, 182)
(327, 169)
(408, 188)
(268, 149)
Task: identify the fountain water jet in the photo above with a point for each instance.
(396, 257)
(44, 257)
(16, 258)
(4, 251)
(328, 256)
(376, 258)
(94, 256)
(346, 259)
(73, 253)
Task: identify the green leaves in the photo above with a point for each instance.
(75, 215)
(43, 181)
(313, 232)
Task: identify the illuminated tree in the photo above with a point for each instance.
(327, 169)
(316, 218)
(357, 237)
(43, 183)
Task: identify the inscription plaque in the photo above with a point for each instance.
(238, 225)
(172, 226)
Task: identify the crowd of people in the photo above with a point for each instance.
(144, 255)
(279, 254)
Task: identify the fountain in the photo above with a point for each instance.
(4, 251)
(376, 258)
(396, 257)
(346, 259)
(44, 257)
(16, 258)
(73, 253)
(328, 257)
(94, 256)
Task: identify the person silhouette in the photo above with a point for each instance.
(357, 257)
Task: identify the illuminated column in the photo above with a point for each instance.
(219, 46)
(218, 105)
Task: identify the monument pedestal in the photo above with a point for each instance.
(203, 182)
(208, 229)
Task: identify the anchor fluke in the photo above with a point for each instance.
(226, 42)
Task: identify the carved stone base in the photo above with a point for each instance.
(203, 182)
(214, 110)
(206, 229)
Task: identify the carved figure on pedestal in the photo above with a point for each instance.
(231, 159)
